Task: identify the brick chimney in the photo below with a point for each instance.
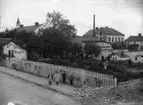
(93, 25)
(21, 25)
(139, 34)
(36, 23)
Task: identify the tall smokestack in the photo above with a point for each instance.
(93, 25)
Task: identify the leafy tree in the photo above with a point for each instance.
(54, 42)
(118, 45)
(90, 49)
(133, 47)
(57, 21)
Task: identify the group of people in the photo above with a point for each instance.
(104, 61)
(58, 76)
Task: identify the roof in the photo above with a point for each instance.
(28, 28)
(105, 31)
(79, 39)
(135, 38)
(76, 39)
(4, 41)
(20, 43)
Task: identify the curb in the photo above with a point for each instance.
(43, 86)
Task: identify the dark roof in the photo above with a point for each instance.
(4, 41)
(28, 28)
(105, 31)
(20, 43)
(135, 38)
(79, 39)
(88, 33)
(76, 39)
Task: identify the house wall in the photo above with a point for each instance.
(18, 52)
(112, 38)
(140, 43)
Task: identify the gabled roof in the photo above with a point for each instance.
(135, 38)
(29, 28)
(4, 41)
(103, 31)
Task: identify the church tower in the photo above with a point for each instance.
(18, 23)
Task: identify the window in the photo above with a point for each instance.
(109, 39)
(119, 39)
(100, 38)
(112, 39)
(116, 39)
(11, 53)
(122, 39)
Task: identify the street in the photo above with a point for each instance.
(16, 90)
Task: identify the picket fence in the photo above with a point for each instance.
(81, 77)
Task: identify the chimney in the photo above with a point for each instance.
(97, 28)
(106, 26)
(36, 23)
(93, 25)
(139, 34)
(21, 25)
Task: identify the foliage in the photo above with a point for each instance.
(90, 49)
(133, 47)
(118, 45)
(58, 22)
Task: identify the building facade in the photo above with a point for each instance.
(106, 34)
(135, 40)
(12, 50)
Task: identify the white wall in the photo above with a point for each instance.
(106, 38)
(114, 37)
(19, 53)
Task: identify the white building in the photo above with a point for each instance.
(11, 49)
(106, 34)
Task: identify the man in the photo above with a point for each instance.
(64, 77)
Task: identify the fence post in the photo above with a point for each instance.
(83, 78)
(115, 82)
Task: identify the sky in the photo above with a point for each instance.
(125, 16)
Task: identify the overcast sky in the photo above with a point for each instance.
(125, 16)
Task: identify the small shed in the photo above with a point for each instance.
(12, 50)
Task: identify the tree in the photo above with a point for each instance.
(118, 45)
(54, 42)
(90, 49)
(60, 23)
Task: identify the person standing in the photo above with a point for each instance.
(64, 77)
(71, 79)
(50, 79)
(57, 78)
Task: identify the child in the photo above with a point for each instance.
(71, 79)
(57, 78)
(64, 77)
(50, 79)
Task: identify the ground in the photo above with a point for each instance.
(14, 90)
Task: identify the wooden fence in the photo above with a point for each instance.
(81, 77)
